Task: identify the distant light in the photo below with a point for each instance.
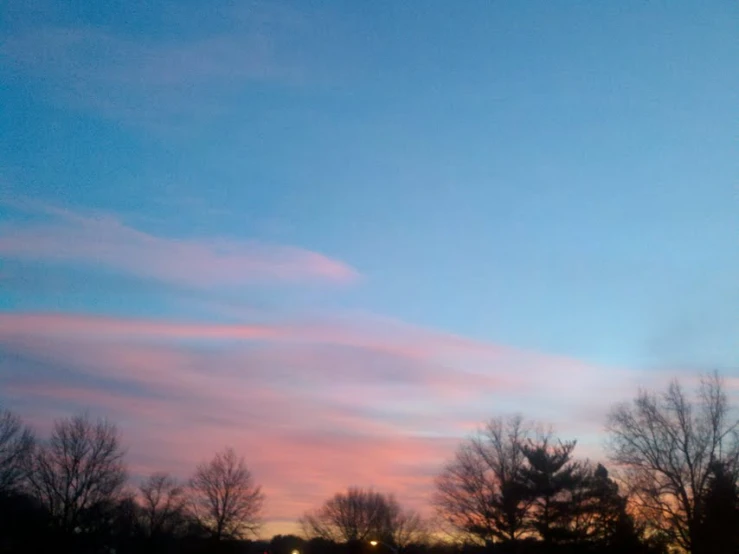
(373, 543)
(295, 552)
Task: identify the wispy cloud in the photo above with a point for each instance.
(102, 240)
(356, 359)
(448, 357)
(162, 81)
(314, 405)
(299, 460)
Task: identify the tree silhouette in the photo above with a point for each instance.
(481, 493)
(406, 527)
(286, 544)
(667, 446)
(23, 524)
(604, 508)
(364, 515)
(224, 497)
(718, 528)
(552, 478)
(598, 513)
(78, 475)
(162, 505)
(16, 445)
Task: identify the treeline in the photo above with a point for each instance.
(677, 462)
(513, 487)
(70, 493)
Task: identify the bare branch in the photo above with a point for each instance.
(668, 445)
(225, 500)
(363, 515)
(16, 446)
(162, 502)
(79, 470)
(480, 493)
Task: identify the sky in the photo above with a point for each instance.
(339, 236)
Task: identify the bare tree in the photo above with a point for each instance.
(481, 493)
(363, 515)
(162, 505)
(79, 471)
(356, 515)
(667, 445)
(225, 500)
(16, 446)
(407, 527)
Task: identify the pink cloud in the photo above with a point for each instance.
(442, 361)
(313, 406)
(101, 327)
(104, 241)
(299, 465)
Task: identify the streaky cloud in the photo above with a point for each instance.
(104, 241)
(314, 406)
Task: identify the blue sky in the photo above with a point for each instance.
(557, 181)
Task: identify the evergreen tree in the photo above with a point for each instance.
(718, 528)
(600, 514)
(599, 511)
(551, 476)
(509, 508)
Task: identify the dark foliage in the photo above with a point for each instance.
(718, 526)
(551, 478)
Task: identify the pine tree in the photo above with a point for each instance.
(600, 510)
(718, 527)
(600, 514)
(551, 476)
(509, 508)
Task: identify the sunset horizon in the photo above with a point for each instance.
(339, 238)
